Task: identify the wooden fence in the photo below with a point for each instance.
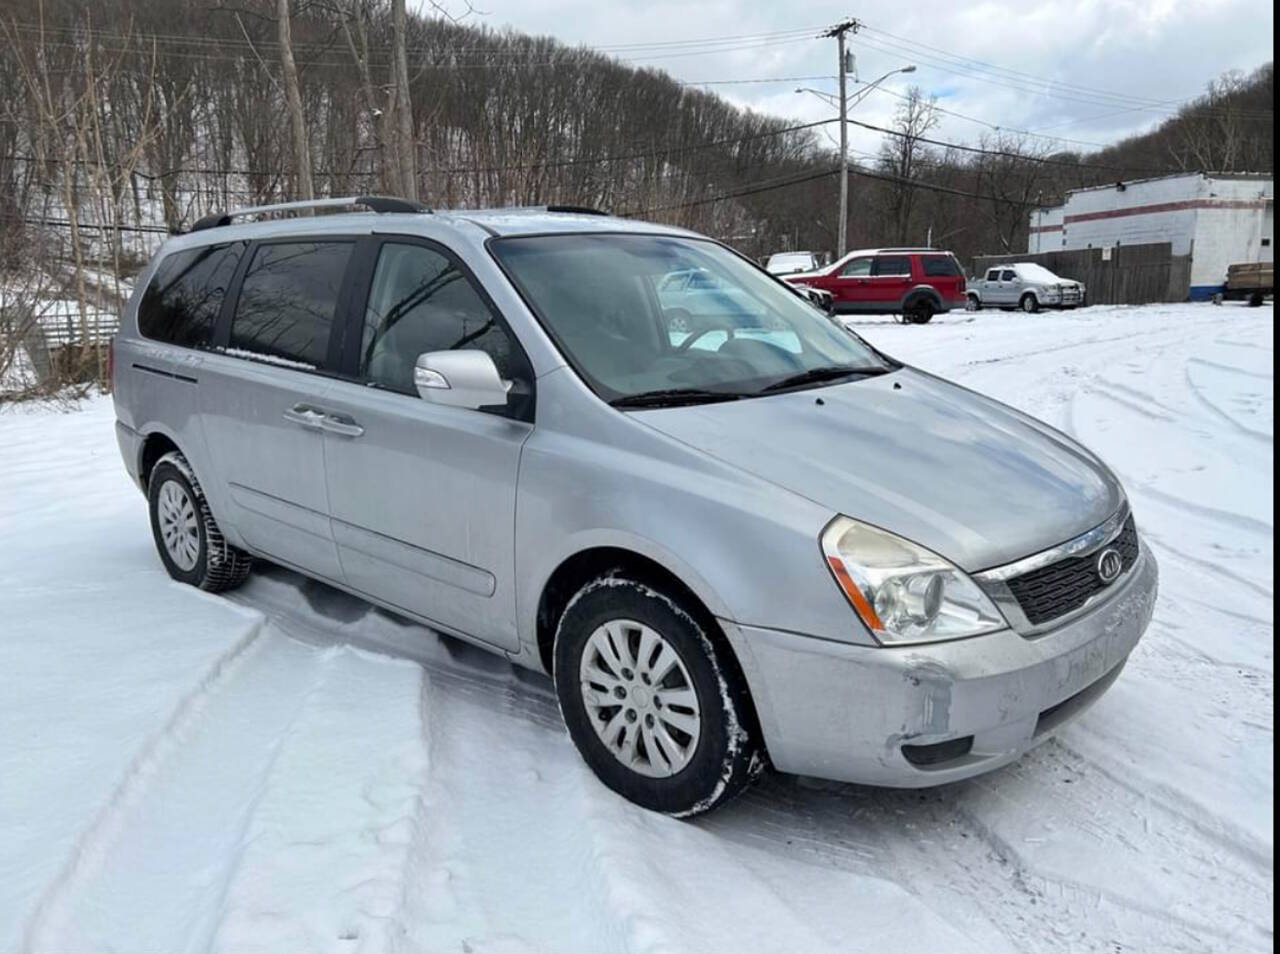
(1128, 275)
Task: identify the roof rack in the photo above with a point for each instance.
(374, 203)
(576, 209)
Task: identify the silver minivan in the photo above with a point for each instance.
(739, 539)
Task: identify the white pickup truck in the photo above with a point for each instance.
(1024, 285)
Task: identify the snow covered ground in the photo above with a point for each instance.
(291, 770)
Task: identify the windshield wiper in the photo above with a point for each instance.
(671, 397)
(817, 375)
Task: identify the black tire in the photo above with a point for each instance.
(1256, 299)
(920, 311)
(1029, 303)
(973, 303)
(218, 565)
(727, 754)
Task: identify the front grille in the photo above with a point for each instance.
(1057, 589)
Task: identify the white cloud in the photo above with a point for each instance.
(1162, 50)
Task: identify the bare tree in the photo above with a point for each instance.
(301, 146)
(406, 147)
(903, 154)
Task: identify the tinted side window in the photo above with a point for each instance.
(993, 275)
(892, 265)
(181, 304)
(420, 301)
(858, 268)
(288, 300)
(1007, 275)
(941, 266)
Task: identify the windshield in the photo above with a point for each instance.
(685, 318)
(791, 261)
(1037, 273)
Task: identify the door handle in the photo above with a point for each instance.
(305, 415)
(341, 424)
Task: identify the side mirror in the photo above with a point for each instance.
(459, 379)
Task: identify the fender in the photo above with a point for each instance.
(533, 579)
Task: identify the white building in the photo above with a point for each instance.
(1216, 218)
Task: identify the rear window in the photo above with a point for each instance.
(182, 301)
(891, 265)
(288, 300)
(941, 266)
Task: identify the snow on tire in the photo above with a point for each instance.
(651, 703)
(187, 537)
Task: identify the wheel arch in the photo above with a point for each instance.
(922, 291)
(577, 569)
(154, 445)
(580, 568)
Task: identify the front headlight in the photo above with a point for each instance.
(903, 592)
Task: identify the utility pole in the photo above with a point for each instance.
(838, 31)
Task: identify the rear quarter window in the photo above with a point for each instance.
(184, 296)
(941, 266)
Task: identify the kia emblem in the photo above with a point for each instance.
(1110, 565)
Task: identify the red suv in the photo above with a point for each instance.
(916, 283)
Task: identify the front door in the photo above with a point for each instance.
(1007, 287)
(422, 496)
(849, 290)
(260, 399)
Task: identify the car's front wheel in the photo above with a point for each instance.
(191, 546)
(653, 705)
(1029, 304)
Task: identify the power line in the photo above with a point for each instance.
(1014, 155)
(770, 79)
(996, 127)
(586, 160)
(763, 186)
(995, 68)
(1039, 88)
(498, 44)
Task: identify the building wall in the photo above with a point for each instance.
(1046, 230)
(1216, 221)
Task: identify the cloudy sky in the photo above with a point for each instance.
(1087, 72)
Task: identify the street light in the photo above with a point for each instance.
(841, 240)
(870, 86)
(830, 98)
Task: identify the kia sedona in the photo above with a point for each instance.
(734, 533)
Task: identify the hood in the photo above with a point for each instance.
(971, 479)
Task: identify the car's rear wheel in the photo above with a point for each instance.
(972, 303)
(652, 704)
(191, 546)
(920, 312)
(1029, 304)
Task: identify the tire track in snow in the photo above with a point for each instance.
(153, 873)
(1198, 393)
(95, 840)
(328, 840)
(501, 864)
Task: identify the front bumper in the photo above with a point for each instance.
(845, 712)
